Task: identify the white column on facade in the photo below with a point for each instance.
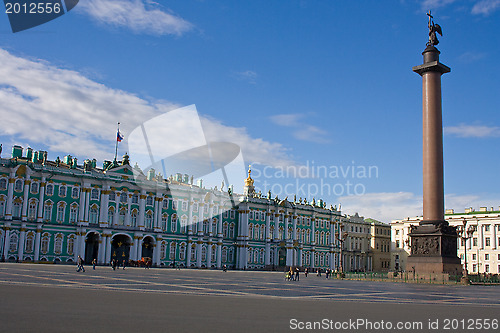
(209, 243)
(87, 205)
(189, 252)
(81, 212)
(495, 240)
(133, 248)
(199, 243)
(157, 251)
(481, 235)
(103, 248)
(6, 243)
(142, 208)
(22, 237)
(139, 247)
(299, 257)
(38, 236)
(82, 243)
(108, 240)
(219, 241)
(155, 213)
(128, 216)
(10, 196)
(267, 253)
(27, 182)
(103, 212)
(289, 242)
(41, 198)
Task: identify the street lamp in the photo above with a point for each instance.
(341, 237)
(465, 233)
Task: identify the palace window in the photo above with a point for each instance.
(149, 220)
(73, 213)
(184, 205)
(94, 194)
(213, 254)
(164, 219)
(195, 207)
(32, 210)
(486, 256)
(149, 200)
(34, 188)
(75, 192)
(111, 215)
(250, 215)
(123, 197)
(62, 191)
(262, 232)
(173, 223)
(165, 203)
(133, 218)
(174, 204)
(49, 189)
(3, 183)
(474, 256)
(16, 210)
(112, 196)
(232, 214)
(163, 250)
(60, 213)
(121, 217)
(224, 230)
(487, 241)
(58, 243)
(135, 198)
(193, 252)
(44, 245)
(47, 211)
(224, 254)
(487, 268)
(250, 231)
(182, 252)
(204, 253)
(13, 243)
(486, 227)
(30, 241)
(184, 223)
(93, 215)
(171, 252)
(256, 232)
(231, 230)
(18, 185)
(214, 226)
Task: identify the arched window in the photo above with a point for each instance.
(163, 250)
(62, 191)
(71, 244)
(30, 241)
(58, 242)
(149, 201)
(123, 197)
(44, 245)
(250, 231)
(262, 232)
(60, 212)
(250, 255)
(214, 226)
(231, 230)
(32, 210)
(224, 254)
(203, 253)
(135, 198)
(171, 252)
(224, 230)
(184, 223)
(47, 211)
(13, 243)
(231, 255)
(93, 214)
(94, 194)
(213, 255)
(149, 220)
(73, 213)
(164, 219)
(18, 185)
(173, 223)
(111, 215)
(3, 183)
(281, 234)
(182, 251)
(16, 209)
(133, 218)
(75, 192)
(193, 252)
(121, 217)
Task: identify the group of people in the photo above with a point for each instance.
(116, 264)
(292, 274)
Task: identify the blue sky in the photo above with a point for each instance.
(321, 85)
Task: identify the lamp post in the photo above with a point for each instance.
(465, 234)
(341, 236)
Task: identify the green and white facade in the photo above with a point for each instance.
(54, 211)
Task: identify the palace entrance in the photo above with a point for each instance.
(120, 248)
(148, 247)
(91, 247)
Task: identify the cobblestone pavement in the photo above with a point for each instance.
(55, 298)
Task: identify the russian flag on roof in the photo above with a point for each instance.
(119, 136)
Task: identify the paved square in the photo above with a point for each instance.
(55, 298)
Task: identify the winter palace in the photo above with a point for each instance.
(55, 211)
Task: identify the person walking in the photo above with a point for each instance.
(94, 263)
(297, 270)
(79, 263)
(306, 271)
(123, 263)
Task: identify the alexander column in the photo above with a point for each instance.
(433, 242)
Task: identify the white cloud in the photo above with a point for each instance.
(485, 7)
(472, 131)
(387, 206)
(302, 131)
(139, 16)
(432, 4)
(70, 114)
(470, 57)
(248, 76)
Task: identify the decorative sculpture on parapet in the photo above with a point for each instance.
(433, 28)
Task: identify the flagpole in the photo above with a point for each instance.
(116, 145)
